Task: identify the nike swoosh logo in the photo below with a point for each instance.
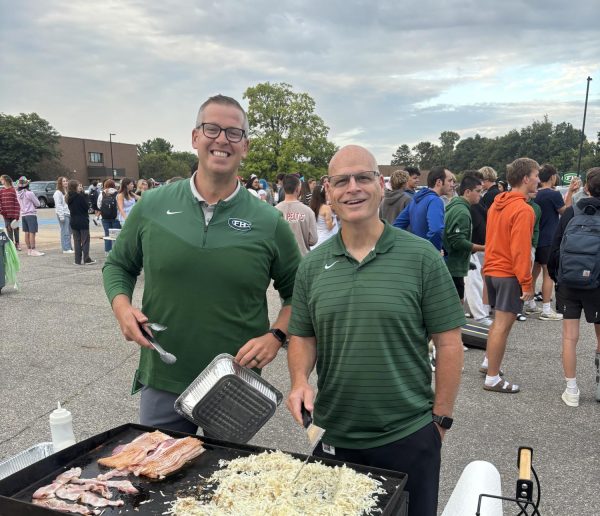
(327, 267)
(169, 212)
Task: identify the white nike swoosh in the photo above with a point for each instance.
(327, 267)
(169, 212)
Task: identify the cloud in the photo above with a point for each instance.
(382, 73)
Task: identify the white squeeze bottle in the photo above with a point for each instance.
(61, 427)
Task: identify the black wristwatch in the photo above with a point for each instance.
(279, 335)
(443, 421)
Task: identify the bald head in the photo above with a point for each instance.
(351, 156)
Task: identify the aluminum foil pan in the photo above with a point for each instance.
(228, 401)
(113, 232)
(25, 458)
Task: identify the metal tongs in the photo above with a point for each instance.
(165, 356)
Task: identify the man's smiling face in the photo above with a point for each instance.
(220, 156)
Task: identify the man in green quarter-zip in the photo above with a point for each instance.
(458, 227)
(209, 251)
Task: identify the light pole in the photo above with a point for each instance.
(112, 163)
(587, 90)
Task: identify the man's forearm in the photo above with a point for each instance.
(283, 319)
(449, 363)
(302, 356)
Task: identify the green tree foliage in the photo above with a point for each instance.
(25, 141)
(286, 135)
(162, 166)
(154, 146)
(189, 158)
(542, 140)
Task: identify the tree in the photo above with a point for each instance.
(189, 158)
(286, 135)
(425, 154)
(403, 157)
(154, 146)
(26, 140)
(162, 166)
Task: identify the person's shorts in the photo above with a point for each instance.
(459, 283)
(29, 223)
(504, 294)
(542, 254)
(571, 301)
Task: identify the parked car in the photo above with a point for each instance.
(44, 190)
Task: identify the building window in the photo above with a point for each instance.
(96, 157)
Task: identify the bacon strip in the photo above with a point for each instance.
(59, 505)
(48, 491)
(135, 451)
(168, 457)
(125, 486)
(71, 492)
(67, 476)
(97, 501)
(113, 473)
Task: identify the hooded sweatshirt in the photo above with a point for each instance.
(457, 236)
(509, 230)
(28, 202)
(393, 204)
(425, 216)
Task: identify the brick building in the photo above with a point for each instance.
(93, 159)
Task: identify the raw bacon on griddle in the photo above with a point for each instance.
(135, 451)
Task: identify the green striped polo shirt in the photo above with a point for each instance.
(371, 321)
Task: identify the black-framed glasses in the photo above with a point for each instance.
(361, 178)
(212, 131)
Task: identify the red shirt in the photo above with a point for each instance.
(9, 204)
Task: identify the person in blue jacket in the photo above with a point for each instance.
(424, 216)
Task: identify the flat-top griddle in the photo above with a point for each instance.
(16, 490)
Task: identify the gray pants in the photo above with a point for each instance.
(81, 238)
(156, 409)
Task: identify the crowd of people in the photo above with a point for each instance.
(338, 251)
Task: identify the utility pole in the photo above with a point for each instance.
(587, 91)
(112, 163)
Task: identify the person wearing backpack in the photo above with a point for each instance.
(574, 265)
(107, 204)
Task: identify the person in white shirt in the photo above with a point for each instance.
(63, 215)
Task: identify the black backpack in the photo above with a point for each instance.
(108, 206)
(579, 265)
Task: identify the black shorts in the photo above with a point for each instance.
(542, 254)
(504, 294)
(571, 301)
(459, 283)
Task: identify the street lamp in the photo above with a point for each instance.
(587, 90)
(112, 163)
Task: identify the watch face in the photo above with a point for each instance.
(279, 335)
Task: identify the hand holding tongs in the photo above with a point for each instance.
(165, 356)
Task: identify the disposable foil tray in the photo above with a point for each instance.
(228, 401)
(25, 458)
(113, 232)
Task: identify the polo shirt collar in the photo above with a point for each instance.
(383, 245)
(201, 199)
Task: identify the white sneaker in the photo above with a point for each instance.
(532, 309)
(485, 320)
(68, 251)
(571, 399)
(35, 252)
(550, 316)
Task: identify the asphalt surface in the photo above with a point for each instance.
(60, 342)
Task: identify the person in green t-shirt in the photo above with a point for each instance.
(365, 303)
(196, 240)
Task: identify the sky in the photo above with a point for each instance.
(382, 73)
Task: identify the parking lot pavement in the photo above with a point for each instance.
(60, 342)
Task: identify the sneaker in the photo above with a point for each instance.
(532, 309)
(89, 261)
(18, 247)
(35, 252)
(571, 399)
(76, 263)
(521, 317)
(68, 251)
(550, 316)
(538, 297)
(485, 320)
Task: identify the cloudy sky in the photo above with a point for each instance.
(382, 72)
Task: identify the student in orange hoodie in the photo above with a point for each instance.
(507, 266)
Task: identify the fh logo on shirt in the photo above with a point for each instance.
(240, 224)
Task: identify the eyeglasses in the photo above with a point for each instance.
(361, 178)
(212, 131)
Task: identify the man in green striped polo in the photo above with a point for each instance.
(364, 305)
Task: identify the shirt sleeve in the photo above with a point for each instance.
(557, 200)
(285, 264)
(440, 305)
(124, 263)
(435, 222)
(301, 323)
(458, 235)
(403, 219)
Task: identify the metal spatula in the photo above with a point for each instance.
(314, 434)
